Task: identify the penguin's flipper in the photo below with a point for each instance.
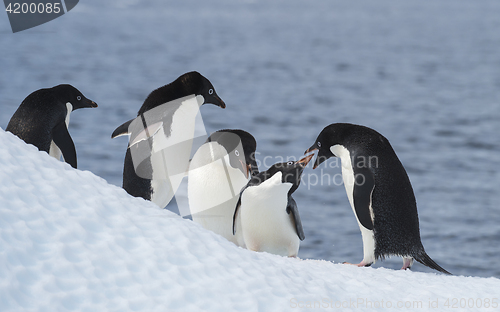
(236, 213)
(122, 130)
(362, 195)
(292, 207)
(63, 140)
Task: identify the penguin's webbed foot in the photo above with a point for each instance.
(361, 264)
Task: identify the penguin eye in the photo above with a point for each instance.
(289, 163)
(236, 153)
(319, 144)
(78, 98)
(211, 91)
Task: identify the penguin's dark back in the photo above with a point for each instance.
(35, 118)
(132, 183)
(396, 225)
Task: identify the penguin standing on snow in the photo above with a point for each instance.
(266, 213)
(379, 192)
(42, 119)
(218, 171)
(161, 137)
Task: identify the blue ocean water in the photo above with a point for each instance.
(424, 74)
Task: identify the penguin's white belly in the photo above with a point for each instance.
(54, 151)
(170, 155)
(349, 179)
(213, 191)
(162, 192)
(265, 224)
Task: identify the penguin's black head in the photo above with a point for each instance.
(69, 94)
(192, 83)
(331, 135)
(240, 146)
(291, 171)
(357, 139)
(202, 86)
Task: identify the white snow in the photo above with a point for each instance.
(71, 242)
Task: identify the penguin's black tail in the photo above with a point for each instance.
(427, 261)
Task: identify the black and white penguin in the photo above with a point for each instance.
(42, 119)
(266, 214)
(379, 192)
(218, 171)
(161, 137)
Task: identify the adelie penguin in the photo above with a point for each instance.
(379, 192)
(267, 215)
(220, 168)
(161, 137)
(42, 119)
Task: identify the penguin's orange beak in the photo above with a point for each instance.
(311, 149)
(304, 161)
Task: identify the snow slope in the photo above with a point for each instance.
(71, 242)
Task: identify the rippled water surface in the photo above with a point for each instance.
(425, 75)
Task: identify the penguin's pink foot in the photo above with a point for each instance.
(361, 264)
(407, 263)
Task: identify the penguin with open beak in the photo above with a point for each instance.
(267, 216)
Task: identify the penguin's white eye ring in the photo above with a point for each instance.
(236, 153)
(289, 163)
(78, 98)
(319, 144)
(211, 91)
